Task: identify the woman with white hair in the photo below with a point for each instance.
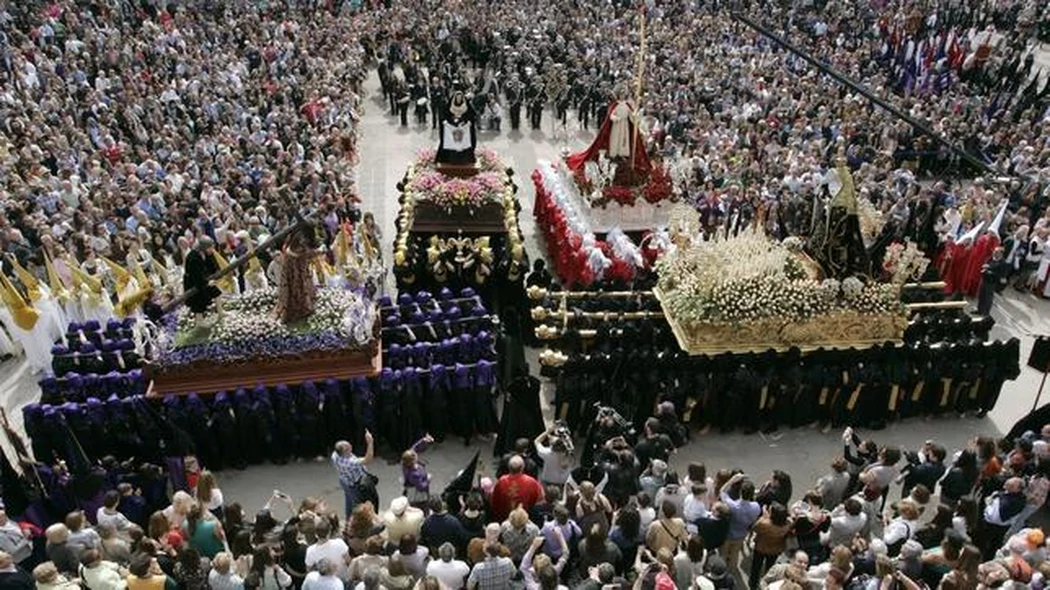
(62, 554)
(47, 578)
(324, 578)
(178, 510)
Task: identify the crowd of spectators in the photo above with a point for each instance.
(882, 517)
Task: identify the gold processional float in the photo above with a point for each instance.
(752, 293)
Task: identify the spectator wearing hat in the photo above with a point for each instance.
(402, 519)
(716, 575)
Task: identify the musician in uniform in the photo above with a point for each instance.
(403, 96)
(514, 91)
(418, 94)
(535, 97)
(558, 89)
(437, 101)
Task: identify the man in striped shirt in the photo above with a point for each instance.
(351, 469)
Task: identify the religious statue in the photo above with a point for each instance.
(296, 291)
(458, 133)
(621, 140)
(835, 240)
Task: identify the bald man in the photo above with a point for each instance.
(514, 489)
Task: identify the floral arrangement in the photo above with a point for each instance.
(493, 184)
(595, 183)
(904, 262)
(871, 220)
(247, 327)
(427, 184)
(750, 277)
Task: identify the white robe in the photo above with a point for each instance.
(36, 343)
(101, 311)
(620, 130)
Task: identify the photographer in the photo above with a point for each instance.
(555, 448)
(925, 467)
(608, 424)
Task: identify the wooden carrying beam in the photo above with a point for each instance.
(936, 305)
(274, 240)
(538, 293)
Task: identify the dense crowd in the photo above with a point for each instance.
(616, 516)
(130, 130)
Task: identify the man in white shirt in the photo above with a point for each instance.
(108, 513)
(449, 570)
(558, 462)
(847, 520)
(334, 551)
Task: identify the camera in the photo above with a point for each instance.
(608, 412)
(561, 438)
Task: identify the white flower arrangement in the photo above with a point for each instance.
(851, 288)
(751, 277)
(904, 262)
(252, 316)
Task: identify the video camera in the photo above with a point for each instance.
(610, 413)
(561, 438)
